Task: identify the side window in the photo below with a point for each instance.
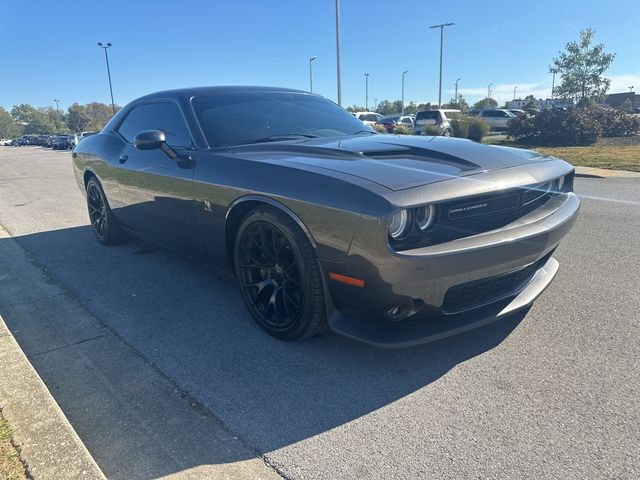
(163, 116)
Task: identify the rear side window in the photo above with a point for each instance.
(164, 116)
(428, 115)
(369, 117)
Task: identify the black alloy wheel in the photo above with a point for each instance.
(279, 275)
(104, 225)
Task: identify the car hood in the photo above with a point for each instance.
(396, 162)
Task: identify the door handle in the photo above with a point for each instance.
(123, 158)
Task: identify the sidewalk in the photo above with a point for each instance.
(134, 421)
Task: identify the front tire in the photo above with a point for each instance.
(279, 275)
(105, 227)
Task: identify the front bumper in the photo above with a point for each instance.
(422, 277)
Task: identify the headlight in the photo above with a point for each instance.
(424, 217)
(398, 224)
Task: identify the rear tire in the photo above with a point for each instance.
(279, 275)
(105, 226)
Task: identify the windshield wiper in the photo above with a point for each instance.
(363, 131)
(279, 137)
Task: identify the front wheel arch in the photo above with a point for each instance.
(242, 206)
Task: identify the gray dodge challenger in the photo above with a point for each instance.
(388, 239)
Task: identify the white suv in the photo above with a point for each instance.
(497, 119)
(438, 117)
(369, 118)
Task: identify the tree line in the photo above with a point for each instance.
(26, 119)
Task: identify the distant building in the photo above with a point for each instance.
(541, 104)
(617, 99)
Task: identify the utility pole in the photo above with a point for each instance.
(311, 74)
(441, 27)
(489, 90)
(456, 97)
(366, 92)
(402, 98)
(106, 57)
(57, 111)
(553, 81)
(338, 52)
(514, 92)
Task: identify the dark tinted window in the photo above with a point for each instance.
(233, 119)
(428, 115)
(369, 117)
(389, 119)
(165, 116)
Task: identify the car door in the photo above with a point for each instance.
(158, 192)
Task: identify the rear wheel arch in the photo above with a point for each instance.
(242, 206)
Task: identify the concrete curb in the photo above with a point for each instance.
(48, 444)
(605, 172)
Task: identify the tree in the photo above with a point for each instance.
(355, 108)
(385, 107)
(77, 118)
(100, 114)
(410, 108)
(32, 119)
(485, 104)
(8, 127)
(581, 68)
(460, 103)
(531, 102)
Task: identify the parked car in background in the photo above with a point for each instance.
(5, 142)
(392, 121)
(78, 137)
(63, 142)
(369, 118)
(439, 117)
(498, 119)
(518, 112)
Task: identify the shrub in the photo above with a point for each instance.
(431, 130)
(379, 128)
(473, 128)
(460, 127)
(402, 130)
(577, 126)
(478, 128)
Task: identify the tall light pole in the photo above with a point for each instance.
(456, 97)
(106, 57)
(366, 92)
(57, 111)
(631, 87)
(553, 80)
(338, 52)
(402, 98)
(489, 90)
(514, 92)
(441, 27)
(375, 103)
(311, 74)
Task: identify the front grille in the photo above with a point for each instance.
(488, 290)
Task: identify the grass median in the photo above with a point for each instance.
(11, 467)
(609, 155)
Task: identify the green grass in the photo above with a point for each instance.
(11, 468)
(615, 157)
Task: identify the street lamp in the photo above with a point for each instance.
(441, 27)
(106, 57)
(57, 111)
(366, 92)
(338, 52)
(514, 92)
(631, 87)
(402, 100)
(311, 74)
(489, 90)
(553, 80)
(456, 96)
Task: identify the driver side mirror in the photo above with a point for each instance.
(149, 140)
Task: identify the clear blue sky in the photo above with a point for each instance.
(49, 47)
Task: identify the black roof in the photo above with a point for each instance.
(217, 90)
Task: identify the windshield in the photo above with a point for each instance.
(234, 119)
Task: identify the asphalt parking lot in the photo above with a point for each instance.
(553, 394)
